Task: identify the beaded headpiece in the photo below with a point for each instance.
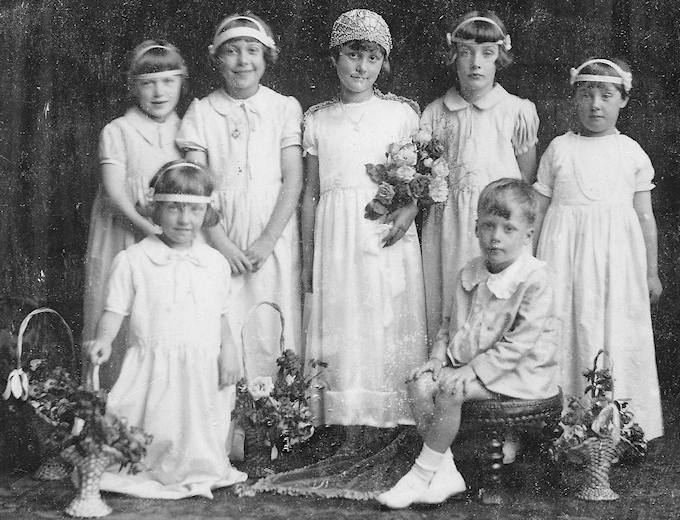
(223, 33)
(624, 78)
(361, 24)
(451, 37)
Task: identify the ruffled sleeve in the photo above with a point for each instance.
(526, 127)
(191, 134)
(292, 125)
(427, 119)
(112, 145)
(309, 143)
(545, 181)
(120, 290)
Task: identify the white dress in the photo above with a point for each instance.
(482, 141)
(168, 384)
(368, 315)
(137, 146)
(243, 140)
(592, 240)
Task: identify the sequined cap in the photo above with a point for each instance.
(361, 24)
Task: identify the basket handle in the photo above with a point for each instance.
(245, 322)
(17, 382)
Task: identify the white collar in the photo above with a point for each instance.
(157, 134)
(454, 101)
(504, 284)
(224, 104)
(159, 253)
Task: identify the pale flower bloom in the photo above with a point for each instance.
(405, 173)
(260, 387)
(403, 152)
(423, 136)
(439, 189)
(428, 162)
(440, 168)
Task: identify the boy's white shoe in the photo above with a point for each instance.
(408, 490)
(446, 483)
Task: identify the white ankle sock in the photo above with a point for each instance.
(427, 463)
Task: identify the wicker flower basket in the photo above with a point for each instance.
(257, 451)
(52, 467)
(596, 456)
(88, 503)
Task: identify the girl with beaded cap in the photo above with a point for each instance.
(367, 314)
(131, 150)
(177, 379)
(599, 237)
(250, 137)
(488, 134)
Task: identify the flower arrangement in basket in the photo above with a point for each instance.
(275, 414)
(597, 430)
(78, 428)
(415, 171)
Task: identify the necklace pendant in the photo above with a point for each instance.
(235, 133)
(356, 128)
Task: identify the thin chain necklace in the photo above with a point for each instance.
(354, 123)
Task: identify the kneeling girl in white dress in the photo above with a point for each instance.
(181, 364)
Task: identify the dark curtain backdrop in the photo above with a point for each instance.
(62, 79)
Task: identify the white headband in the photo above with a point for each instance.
(624, 78)
(222, 34)
(180, 197)
(148, 48)
(451, 37)
(162, 74)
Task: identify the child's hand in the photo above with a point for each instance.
(259, 251)
(456, 381)
(99, 351)
(238, 261)
(228, 375)
(655, 288)
(401, 220)
(433, 365)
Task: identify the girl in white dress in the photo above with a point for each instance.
(178, 375)
(368, 316)
(131, 150)
(488, 134)
(250, 137)
(599, 237)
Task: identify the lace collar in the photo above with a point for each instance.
(504, 284)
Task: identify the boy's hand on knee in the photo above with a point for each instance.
(457, 380)
(433, 365)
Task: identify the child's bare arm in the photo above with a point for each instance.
(543, 203)
(286, 203)
(229, 365)
(310, 200)
(99, 349)
(642, 201)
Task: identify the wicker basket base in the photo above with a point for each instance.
(52, 469)
(597, 455)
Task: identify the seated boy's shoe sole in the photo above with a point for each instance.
(444, 485)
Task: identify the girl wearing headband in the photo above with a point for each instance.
(367, 314)
(250, 137)
(178, 375)
(131, 149)
(488, 134)
(599, 236)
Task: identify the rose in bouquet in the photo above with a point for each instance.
(415, 171)
(597, 415)
(279, 409)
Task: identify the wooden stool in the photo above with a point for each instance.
(538, 417)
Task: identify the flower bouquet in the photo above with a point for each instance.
(276, 414)
(596, 431)
(415, 171)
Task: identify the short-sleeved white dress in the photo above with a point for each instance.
(169, 381)
(137, 146)
(243, 139)
(368, 315)
(482, 141)
(592, 240)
